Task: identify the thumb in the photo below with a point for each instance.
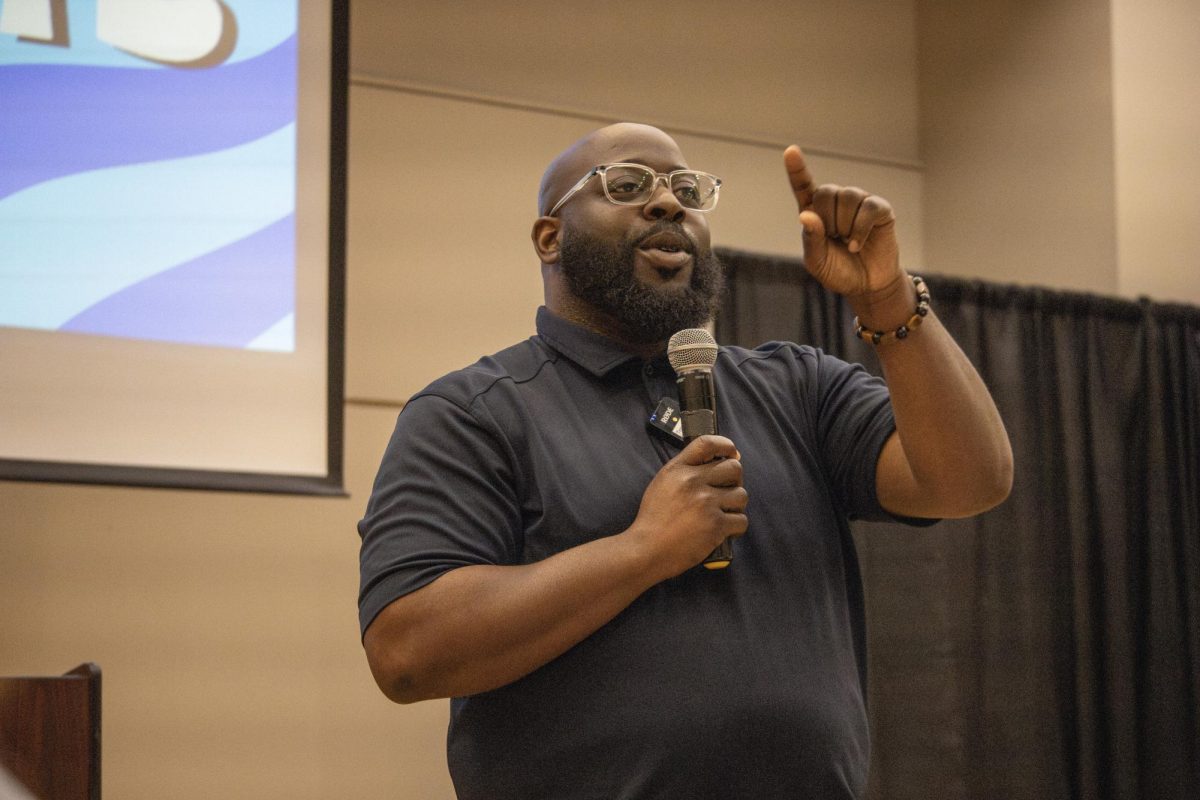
(815, 243)
(706, 448)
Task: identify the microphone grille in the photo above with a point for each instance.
(693, 348)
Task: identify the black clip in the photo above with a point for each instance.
(665, 421)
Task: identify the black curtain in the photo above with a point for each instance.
(1049, 648)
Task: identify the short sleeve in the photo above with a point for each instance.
(853, 421)
(443, 498)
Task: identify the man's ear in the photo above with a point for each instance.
(545, 235)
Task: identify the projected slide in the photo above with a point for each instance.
(148, 169)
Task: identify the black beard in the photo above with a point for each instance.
(601, 274)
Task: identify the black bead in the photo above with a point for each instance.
(876, 337)
(902, 331)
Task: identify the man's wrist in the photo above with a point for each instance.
(888, 308)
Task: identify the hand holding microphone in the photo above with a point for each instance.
(692, 353)
(694, 504)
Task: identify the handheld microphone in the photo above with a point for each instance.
(692, 353)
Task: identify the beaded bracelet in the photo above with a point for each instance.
(875, 337)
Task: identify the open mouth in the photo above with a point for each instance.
(666, 242)
(668, 251)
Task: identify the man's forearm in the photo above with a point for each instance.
(480, 627)
(950, 434)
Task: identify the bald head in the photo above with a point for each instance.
(624, 141)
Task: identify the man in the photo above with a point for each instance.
(531, 545)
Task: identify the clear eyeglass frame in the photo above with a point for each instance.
(667, 179)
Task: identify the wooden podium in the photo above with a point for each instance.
(50, 733)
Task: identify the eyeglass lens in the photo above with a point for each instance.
(632, 184)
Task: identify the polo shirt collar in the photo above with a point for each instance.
(594, 352)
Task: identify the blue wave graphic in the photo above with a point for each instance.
(72, 241)
(228, 297)
(63, 119)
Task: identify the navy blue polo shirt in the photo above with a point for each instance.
(744, 682)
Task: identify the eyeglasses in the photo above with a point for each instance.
(634, 185)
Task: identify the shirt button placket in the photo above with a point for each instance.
(653, 391)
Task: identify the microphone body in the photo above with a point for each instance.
(697, 403)
(692, 354)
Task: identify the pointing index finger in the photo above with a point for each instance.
(799, 176)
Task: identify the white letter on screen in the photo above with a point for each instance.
(31, 19)
(185, 33)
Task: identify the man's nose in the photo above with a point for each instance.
(663, 204)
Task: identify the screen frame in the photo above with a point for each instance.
(331, 483)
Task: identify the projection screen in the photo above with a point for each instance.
(172, 203)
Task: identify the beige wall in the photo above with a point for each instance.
(225, 623)
(1156, 58)
(772, 70)
(1016, 136)
(1059, 143)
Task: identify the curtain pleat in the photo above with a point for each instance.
(1050, 647)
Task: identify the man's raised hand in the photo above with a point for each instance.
(849, 235)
